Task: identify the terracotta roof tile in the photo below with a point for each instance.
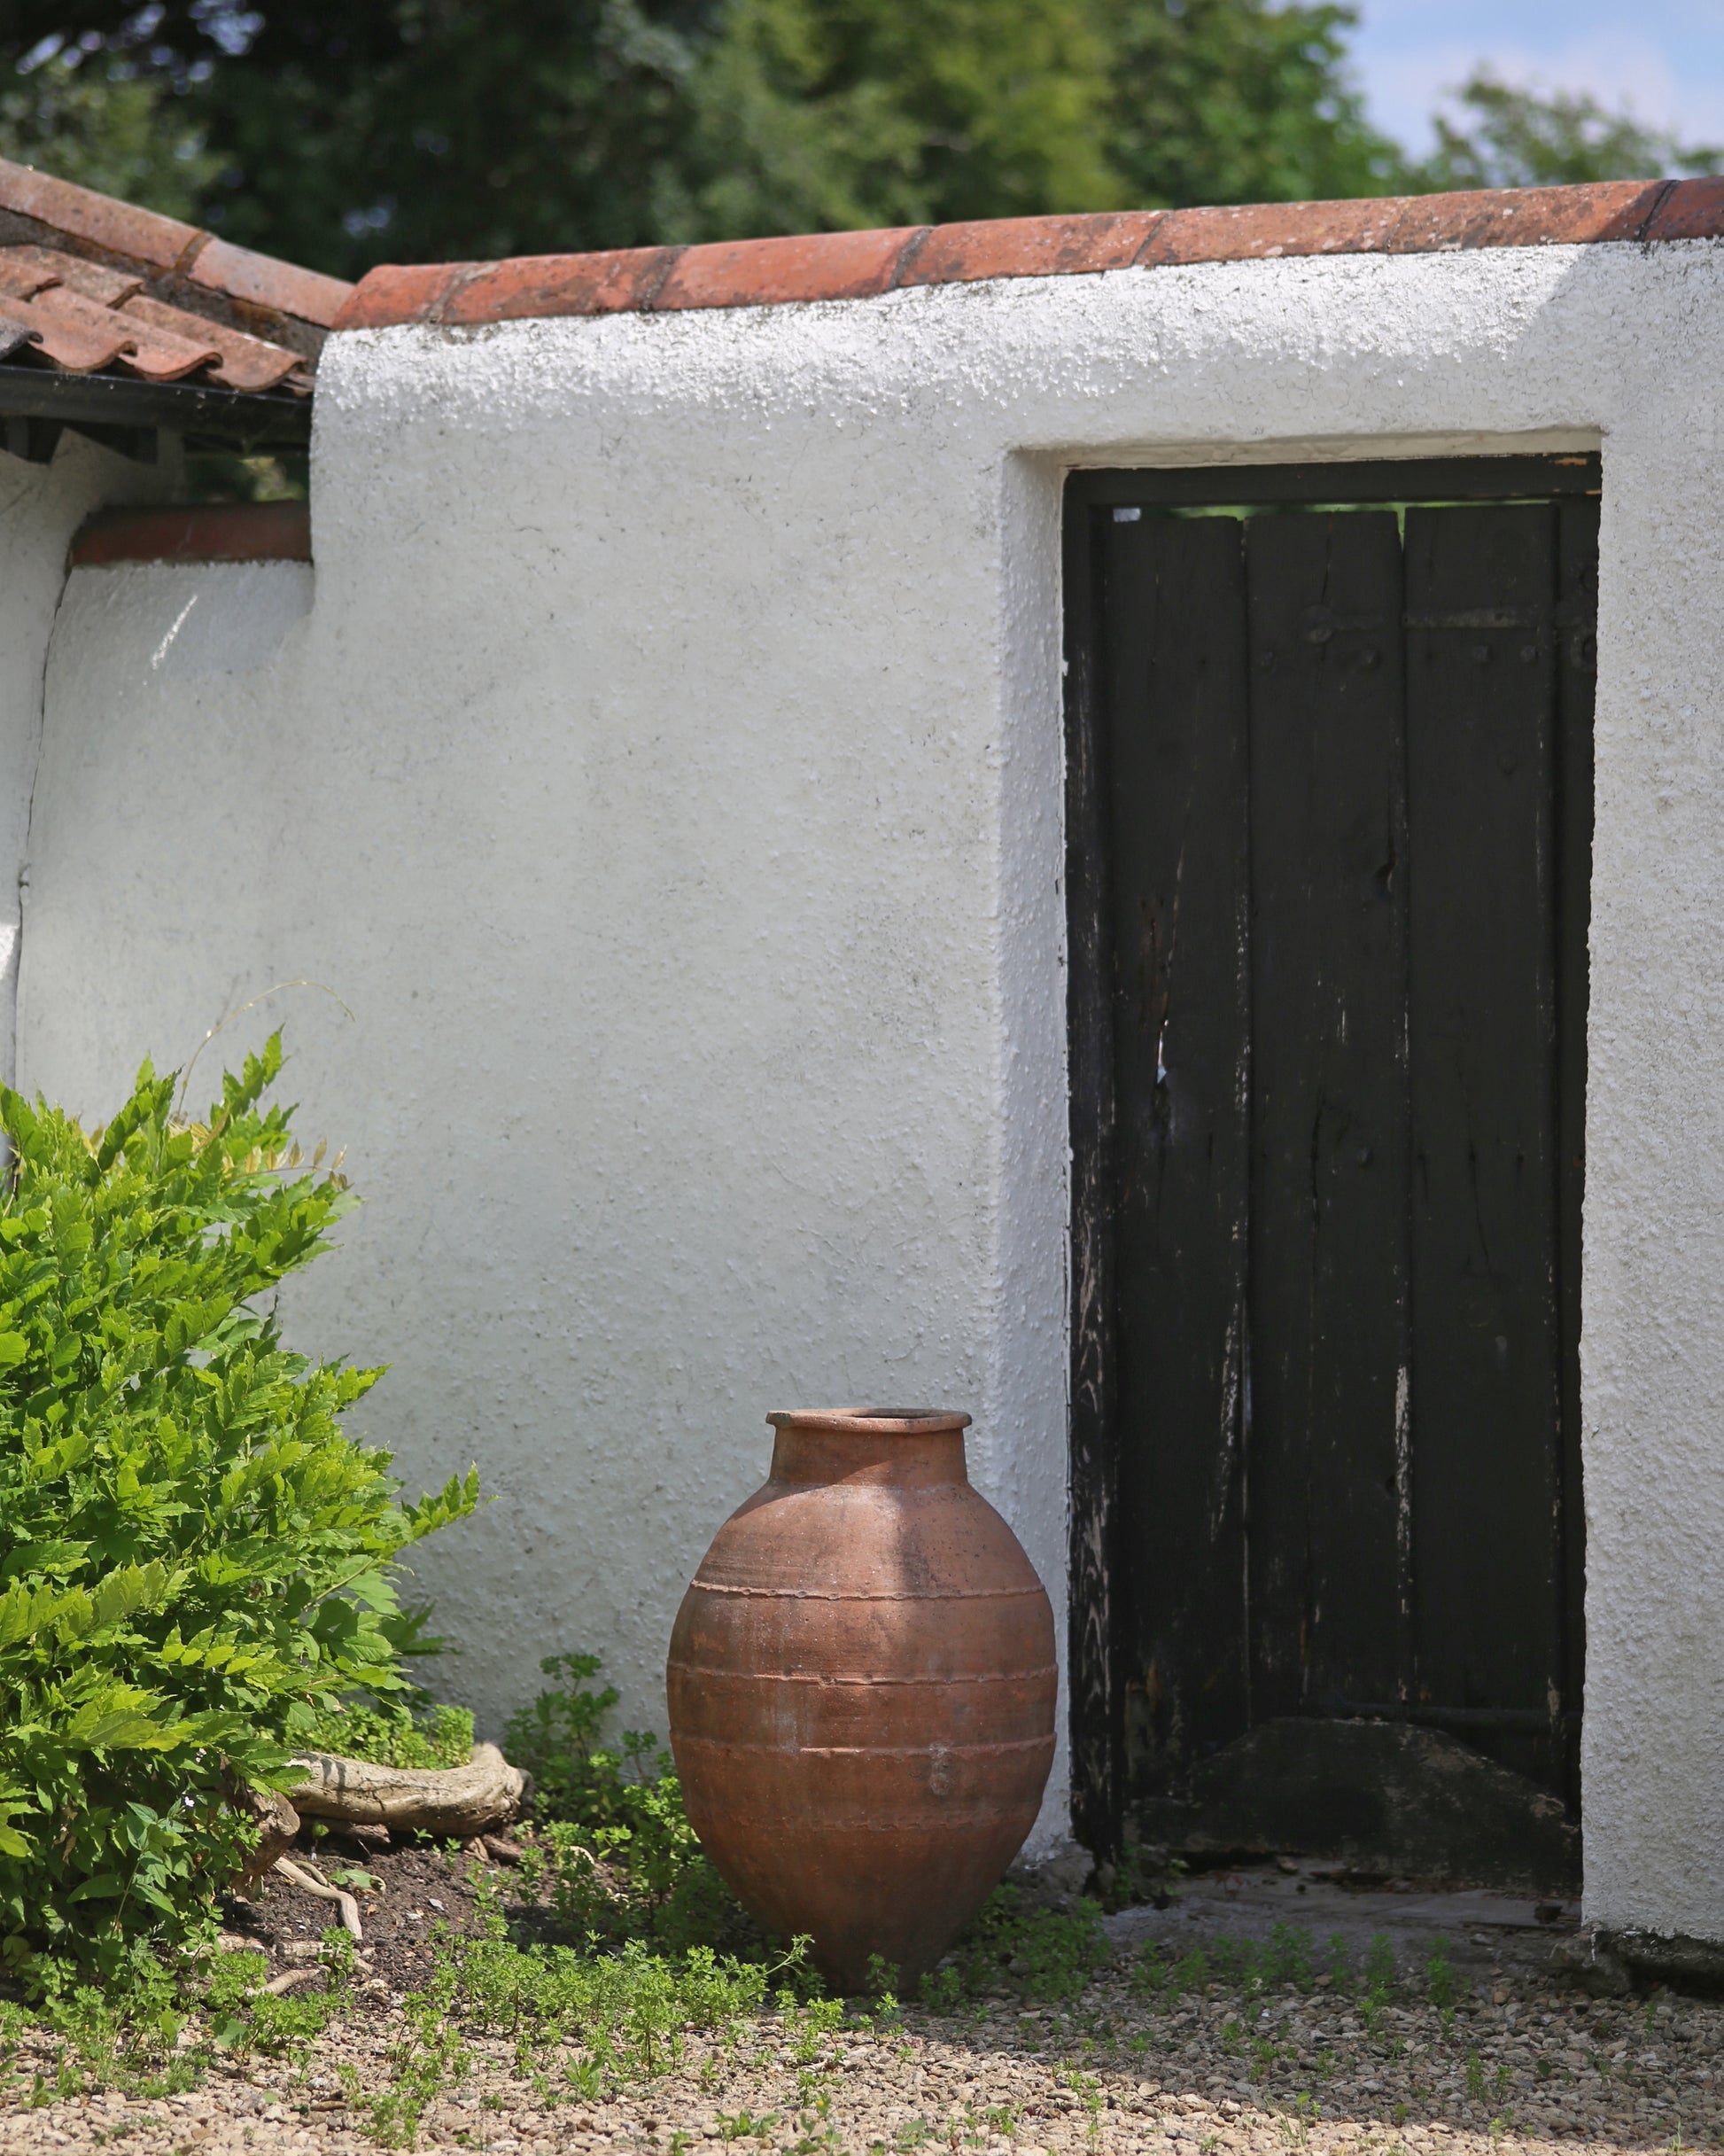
(246, 362)
(620, 282)
(1257, 231)
(772, 272)
(80, 334)
(161, 354)
(180, 304)
(260, 280)
(858, 265)
(204, 532)
(416, 291)
(77, 344)
(21, 280)
(1000, 246)
(94, 280)
(1693, 209)
(79, 212)
(85, 316)
(1527, 217)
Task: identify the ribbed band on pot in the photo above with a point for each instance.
(875, 1421)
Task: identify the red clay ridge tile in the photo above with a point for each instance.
(260, 280)
(1526, 217)
(118, 228)
(402, 291)
(1692, 209)
(209, 532)
(1027, 247)
(625, 280)
(1256, 231)
(859, 265)
(780, 272)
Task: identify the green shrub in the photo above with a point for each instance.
(194, 1556)
(393, 1735)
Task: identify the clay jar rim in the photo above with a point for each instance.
(870, 1421)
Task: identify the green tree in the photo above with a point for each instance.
(1501, 136)
(92, 117)
(823, 114)
(342, 135)
(1219, 101)
(424, 129)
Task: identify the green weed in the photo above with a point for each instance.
(1038, 1953)
(1379, 1984)
(620, 1856)
(1288, 1956)
(585, 2077)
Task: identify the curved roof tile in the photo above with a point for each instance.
(88, 284)
(859, 265)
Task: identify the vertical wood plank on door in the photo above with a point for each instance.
(1093, 1700)
(1576, 649)
(1330, 1128)
(1480, 587)
(1176, 691)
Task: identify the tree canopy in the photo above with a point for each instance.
(1496, 135)
(340, 133)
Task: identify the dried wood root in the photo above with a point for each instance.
(288, 1980)
(278, 1822)
(459, 1802)
(307, 1884)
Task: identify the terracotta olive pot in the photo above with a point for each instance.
(862, 1687)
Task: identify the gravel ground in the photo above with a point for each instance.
(1521, 2056)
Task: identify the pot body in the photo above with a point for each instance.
(862, 1687)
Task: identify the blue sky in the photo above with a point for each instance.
(1664, 57)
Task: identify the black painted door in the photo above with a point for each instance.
(1347, 813)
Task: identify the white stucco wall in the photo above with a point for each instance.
(40, 507)
(663, 763)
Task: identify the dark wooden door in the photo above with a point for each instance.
(1338, 772)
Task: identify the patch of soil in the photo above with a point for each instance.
(416, 1890)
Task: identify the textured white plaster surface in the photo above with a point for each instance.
(666, 768)
(40, 507)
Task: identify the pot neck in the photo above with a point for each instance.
(911, 1450)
